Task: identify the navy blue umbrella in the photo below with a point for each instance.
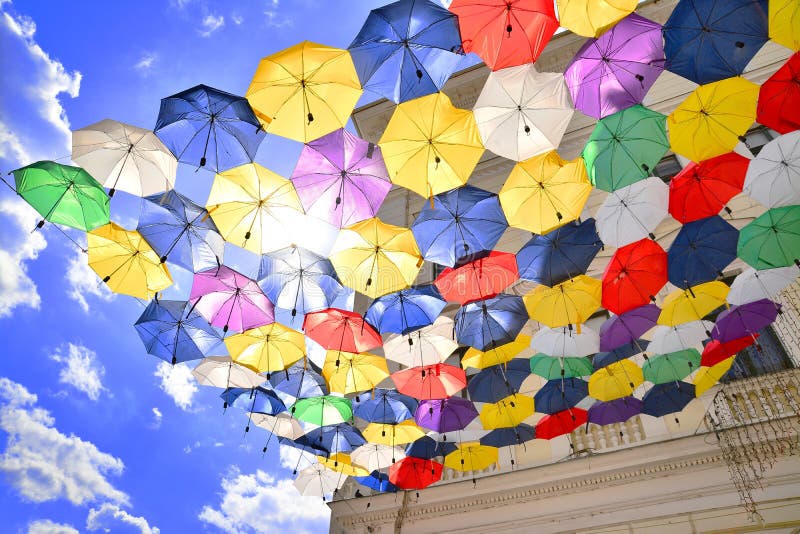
(560, 394)
(460, 225)
(425, 447)
(664, 399)
(602, 359)
(701, 251)
(387, 406)
(709, 40)
(254, 400)
(505, 437)
(341, 437)
(499, 381)
(173, 331)
(559, 255)
(377, 481)
(210, 128)
(486, 324)
(406, 310)
(407, 49)
(298, 382)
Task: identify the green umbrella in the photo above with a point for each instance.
(324, 410)
(671, 367)
(625, 147)
(772, 240)
(549, 367)
(63, 194)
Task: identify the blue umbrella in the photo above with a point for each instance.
(701, 251)
(210, 128)
(425, 447)
(377, 481)
(459, 226)
(255, 400)
(406, 310)
(505, 437)
(341, 437)
(181, 231)
(298, 382)
(407, 49)
(664, 399)
(709, 40)
(387, 406)
(560, 394)
(303, 444)
(602, 359)
(499, 381)
(559, 255)
(489, 323)
(173, 331)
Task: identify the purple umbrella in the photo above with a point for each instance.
(229, 299)
(745, 320)
(341, 179)
(445, 415)
(616, 70)
(615, 411)
(627, 327)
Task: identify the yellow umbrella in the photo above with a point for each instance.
(386, 434)
(685, 305)
(430, 146)
(591, 18)
(376, 258)
(269, 348)
(305, 91)
(471, 456)
(713, 118)
(570, 302)
(502, 354)
(507, 412)
(341, 463)
(347, 372)
(545, 192)
(707, 377)
(126, 262)
(615, 381)
(784, 23)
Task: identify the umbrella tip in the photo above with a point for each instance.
(203, 162)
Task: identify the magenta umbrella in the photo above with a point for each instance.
(627, 327)
(230, 300)
(445, 415)
(341, 179)
(745, 320)
(615, 71)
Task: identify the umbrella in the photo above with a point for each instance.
(615, 71)
(489, 323)
(427, 346)
(671, 367)
(337, 329)
(505, 34)
(713, 119)
(627, 327)
(716, 351)
(701, 251)
(223, 372)
(228, 299)
(282, 425)
(471, 456)
(253, 400)
(773, 178)
(664, 399)
(560, 394)
(625, 147)
(560, 254)
(324, 410)
(751, 285)
(506, 437)
(298, 382)
(693, 303)
(680, 336)
(180, 231)
(393, 434)
(707, 377)
(459, 226)
(632, 348)
(706, 40)
(783, 16)
(563, 341)
(567, 303)
(406, 310)
(702, 189)
(267, 349)
(430, 382)
(414, 473)
(633, 212)
(560, 423)
(745, 320)
(550, 368)
(545, 192)
(374, 456)
(521, 112)
(385, 406)
(497, 355)
(771, 240)
(616, 381)
(376, 258)
(634, 276)
(445, 415)
(124, 157)
(479, 279)
(347, 372)
(341, 179)
(342, 463)
(63, 195)
(126, 262)
(316, 480)
(498, 381)
(203, 125)
(779, 97)
(305, 91)
(335, 438)
(507, 412)
(591, 18)
(425, 448)
(614, 411)
(430, 146)
(174, 332)
(377, 481)
(407, 49)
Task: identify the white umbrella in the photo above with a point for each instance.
(124, 157)
(773, 177)
(689, 335)
(563, 342)
(633, 212)
(283, 425)
(427, 346)
(521, 112)
(317, 480)
(751, 285)
(222, 372)
(374, 456)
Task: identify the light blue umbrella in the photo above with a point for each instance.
(173, 331)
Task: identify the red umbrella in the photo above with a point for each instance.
(505, 33)
(779, 98)
(560, 423)
(701, 190)
(717, 351)
(478, 280)
(431, 381)
(414, 473)
(342, 330)
(635, 274)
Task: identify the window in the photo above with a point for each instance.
(668, 167)
(437, 270)
(751, 362)
(756, 138)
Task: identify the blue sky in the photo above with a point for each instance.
(94, 434)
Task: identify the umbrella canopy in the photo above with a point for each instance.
(335, 438)
(426, 447)
(298, 382)
(707, 377)
(615, 381)
(751, 285)
(773, 178)
(591, 18)
(430, 146)
(701, 251)
(63, 195)
(783, 17)
(702, 189)
(716, 351)
(490, 323)
(428, 346)
(634, 276)
(560, 394)
(615, 411)
(317, 480)
(668, 398)
(627, 327)
(693, 303)
(498, 381)
(671, 367)
(560, 423)
(374, 456)
(385, 406)
(521, 112)
(406, 310)
(545, 192)
(282, 425)
(347, 372)
(253, 400)
(323, 410)
(267, 349)
(679, 337)
(210, 128)
(570, 302)
(393, 434)
(625, 147)
(779, 96)
(173, 331)
(337, 329)
(563, 341)
(430, 382)
(223, 372)
(445, 415)
(606, 358)
(471, 456)
(633, 212)
(771, 240)
(551, 368)
(377, 481)
(479, 279)
(506, 437)
(497, 355)
(744, 320)
(714, 118)
(459, 225)
(342, 462)
(305, 91)
(126, 262)
(507, 412)
(228, 299)
(412, 473)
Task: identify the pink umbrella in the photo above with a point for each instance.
(228, 299)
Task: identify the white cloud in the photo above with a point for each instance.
(81, 369)
(274, 17)
(42, 463)
(16, 287)
(109, 516)
(45, 526)
(83, 282)
(157, 417)
(211, 23)
(145, 63)
(177, 382)
(237, 19)
(295, 459)
(261, 503)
